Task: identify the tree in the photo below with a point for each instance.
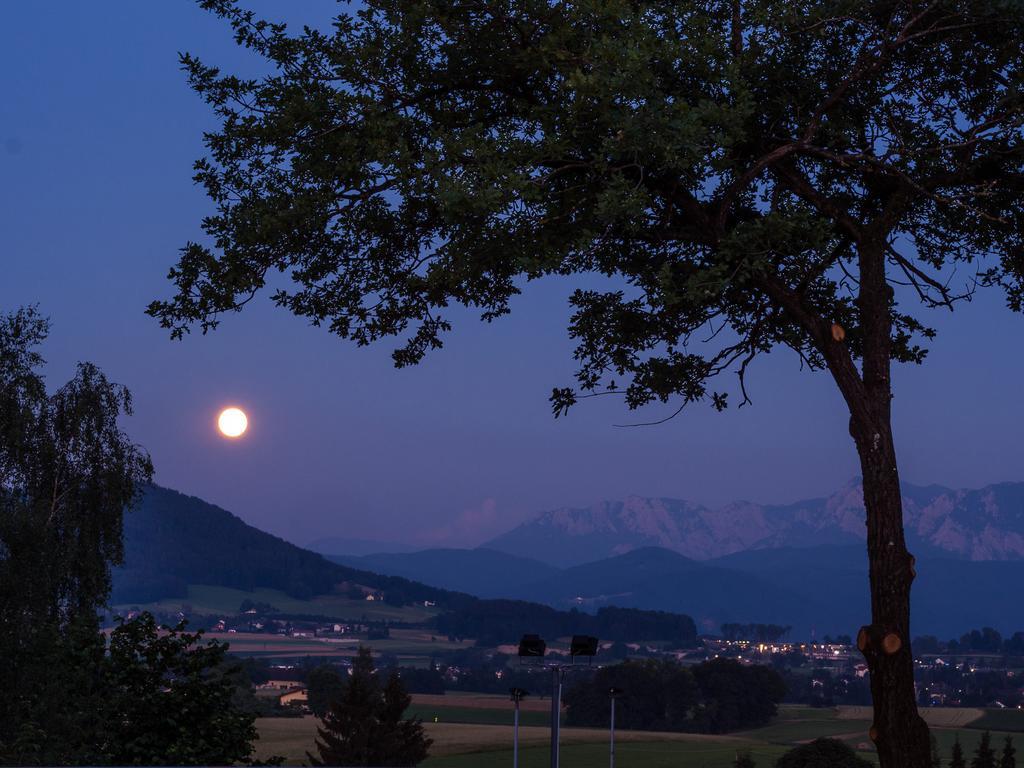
(364, 725)
(984, 755)
(323, 685)
(936, 757)
(956, 760)
(170, 699)
(67, 475)
(806, 175)
(744, 760)
(1008, 758)
(822, 753)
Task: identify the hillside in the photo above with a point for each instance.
(982, 524)
(482, 572)
(173, 540)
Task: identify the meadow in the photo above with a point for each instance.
(475, 727)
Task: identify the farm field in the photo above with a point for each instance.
(209, 599)
(472, 726)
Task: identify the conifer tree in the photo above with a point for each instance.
(1008, 759)
(984, 755)
(957, 758)
(365, 724)
(936, 758)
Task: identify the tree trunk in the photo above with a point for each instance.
(900, 734)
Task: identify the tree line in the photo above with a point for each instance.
(715, 696)
(496, 622)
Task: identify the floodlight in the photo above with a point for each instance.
(583, 645)
(518, 694)
(615, 692)
(532, 646)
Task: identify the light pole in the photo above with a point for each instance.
(556, 713)
(517, 696)
(614, 693)
(534, 646)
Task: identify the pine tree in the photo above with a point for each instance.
(365, 724)
(957, 758)
(936, 758)
(1008, 760)
(984, 755)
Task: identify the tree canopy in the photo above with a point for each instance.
(364, 723)
(722, 161)
(728, 177)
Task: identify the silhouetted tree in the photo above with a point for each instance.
(956, 759)
(365, 724)
(1008, 759)
(936, 757)
(984, 755)
(822, 753)
(323, 685)
(807, 175)
(67, 475)
(744, 760)
(170, 699)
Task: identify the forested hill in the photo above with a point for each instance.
(172, 540)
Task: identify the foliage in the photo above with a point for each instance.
(67, 475)
(744, 760)
(364, 725)
(494, 622)
(170, 699)
(956, 759)
(822, 753)
(1008, 759)
(758, 633)
(657, 695)
(729, 178)
(984, 755)
(323, 686)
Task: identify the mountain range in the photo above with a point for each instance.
(788, 574)
(982, 524)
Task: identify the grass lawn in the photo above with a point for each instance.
(1000, 720)
(476, 715)
(473, 730)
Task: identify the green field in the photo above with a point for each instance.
(476, 715)
(206, 599)
(477, 728)
(1000, 720)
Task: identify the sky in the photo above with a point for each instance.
(98, 133)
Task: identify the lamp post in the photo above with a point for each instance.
(614, 693)
(517, 696)
(533, 646)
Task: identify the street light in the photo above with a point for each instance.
(614, 693)
(517, 696)
(532, 646)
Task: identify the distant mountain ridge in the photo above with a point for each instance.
(172, 540)
(981, 524)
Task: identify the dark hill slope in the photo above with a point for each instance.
(172, 540)
(482, 572)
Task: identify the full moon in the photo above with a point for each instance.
(232, 422)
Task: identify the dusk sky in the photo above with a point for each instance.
(98, 133)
